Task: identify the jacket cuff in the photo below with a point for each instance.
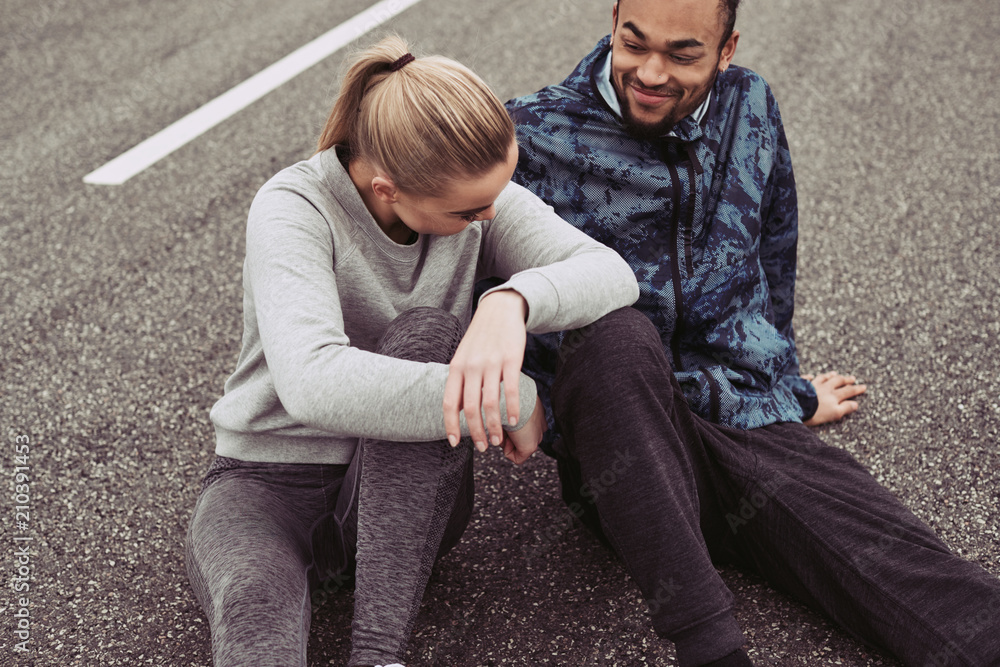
(809, 403)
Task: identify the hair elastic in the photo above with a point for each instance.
(402, 62)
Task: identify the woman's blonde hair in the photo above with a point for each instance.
(424, 125)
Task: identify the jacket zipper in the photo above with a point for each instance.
(714, 400)
(694, 168)
(676, 265)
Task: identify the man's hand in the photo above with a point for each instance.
(520, 445)
(834, 392)
(490, 352)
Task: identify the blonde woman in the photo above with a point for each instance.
(345, 435)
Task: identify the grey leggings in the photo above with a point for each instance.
(269, 541)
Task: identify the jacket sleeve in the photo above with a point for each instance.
(778, 246)
(568, 279)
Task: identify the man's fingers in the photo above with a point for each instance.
(472, 404)
(839, 381)
(511, 388)
(850, 391)
(847, 407)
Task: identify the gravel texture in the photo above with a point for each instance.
(121, 308)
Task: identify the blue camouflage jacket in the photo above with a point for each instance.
(708, 222)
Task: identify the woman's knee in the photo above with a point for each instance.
(422, 334)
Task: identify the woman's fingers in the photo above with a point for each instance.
(472, 405)
(453, 406)
(491, 405)
(490, 352)
(511, 390)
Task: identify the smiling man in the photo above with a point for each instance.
(682, 423)
(658, 83)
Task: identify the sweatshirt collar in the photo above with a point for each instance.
(343, 189)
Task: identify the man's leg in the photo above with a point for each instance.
(819, 526)
(414, 500)
(637, 449)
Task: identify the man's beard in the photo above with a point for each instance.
(655, 130)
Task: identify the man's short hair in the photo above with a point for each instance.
(727, 12)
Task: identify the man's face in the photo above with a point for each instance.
(665, 57)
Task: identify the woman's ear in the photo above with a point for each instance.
(384, 189)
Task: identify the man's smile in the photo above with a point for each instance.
(649, 98)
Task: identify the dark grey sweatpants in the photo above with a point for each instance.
(671, 492)
(268, 541)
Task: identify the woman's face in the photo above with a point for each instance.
(465, 201)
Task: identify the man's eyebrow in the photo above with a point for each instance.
(638, 33)
(689, 43)
(685, 43)
(471, 211)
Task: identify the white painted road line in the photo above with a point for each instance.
(169, 139)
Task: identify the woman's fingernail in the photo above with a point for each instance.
(512, 421)
(495, 440)
(453, 439)
(481, 446)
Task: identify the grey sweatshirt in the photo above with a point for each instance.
(322, 282)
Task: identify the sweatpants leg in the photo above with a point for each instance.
(414, 502)
(249, 552)
(670, 488)
(263, 532)
(628, 434)
(816, 524)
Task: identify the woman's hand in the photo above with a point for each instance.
(520, 445)
(490, 352)
(834, 393)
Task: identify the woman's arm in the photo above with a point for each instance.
(567, 278)
(557, 278)
(322, 381)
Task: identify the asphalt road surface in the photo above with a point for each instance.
(121, 308)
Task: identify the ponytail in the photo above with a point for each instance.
(369, 68)
(423, 125)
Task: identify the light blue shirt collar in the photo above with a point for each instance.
(607, 90)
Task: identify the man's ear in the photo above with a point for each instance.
(614, 17)
(728, 51)
(384, 189)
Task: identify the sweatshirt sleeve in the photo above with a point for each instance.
(567, 278)
(321, 381)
